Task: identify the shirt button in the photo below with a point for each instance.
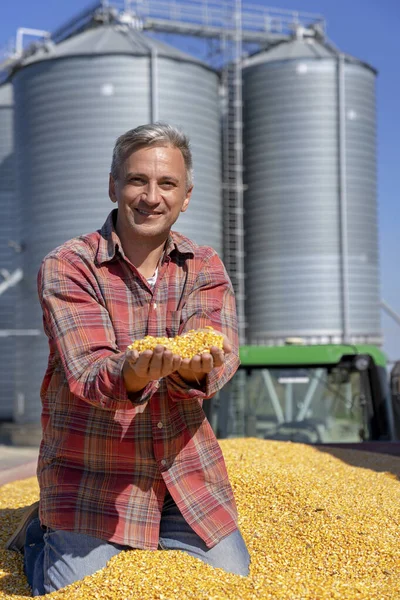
(160, 425)
(163, 462)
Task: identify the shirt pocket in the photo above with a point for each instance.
(173, 323)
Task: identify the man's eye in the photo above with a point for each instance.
(137, 181)
(167, 185)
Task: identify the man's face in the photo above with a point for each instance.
(151, 191)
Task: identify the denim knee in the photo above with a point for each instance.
(231, 554)
(33, 549)
(70, 556)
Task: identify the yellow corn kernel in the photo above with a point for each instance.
(186, 346)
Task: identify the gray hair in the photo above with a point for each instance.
(145, 136)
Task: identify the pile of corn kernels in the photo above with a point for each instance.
(186, 346)
(318, 524)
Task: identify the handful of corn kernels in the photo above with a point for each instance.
(186, 346)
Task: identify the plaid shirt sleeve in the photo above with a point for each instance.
(79, 327)
(210, 302)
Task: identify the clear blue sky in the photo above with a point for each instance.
(367, 29)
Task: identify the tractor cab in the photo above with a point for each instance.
(319, 394)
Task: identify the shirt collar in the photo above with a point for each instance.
(179, 243)
(110, 245)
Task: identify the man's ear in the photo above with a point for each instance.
(111, 189)
(187, 199)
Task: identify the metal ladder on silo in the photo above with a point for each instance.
(232, 160)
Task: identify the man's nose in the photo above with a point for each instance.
(152, 193)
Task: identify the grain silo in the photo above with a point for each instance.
(8, 253)
(310, 205)
(72, 100)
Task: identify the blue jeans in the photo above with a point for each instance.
(54, 559)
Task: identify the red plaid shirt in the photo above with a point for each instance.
(106, 461)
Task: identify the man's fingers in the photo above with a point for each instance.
(199, 364)
(165, 367)
(176, 362)
(218, 356)
(207, 362)
(141, 366)
(132, 356)
(158, 363)
(227, 346)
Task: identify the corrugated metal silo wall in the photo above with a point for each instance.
(189, 99)
(364, 289)
(292, 216)
(68, 114)
(8, 256)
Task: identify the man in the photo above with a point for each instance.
(128, 459)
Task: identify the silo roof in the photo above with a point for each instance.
(300, 49)
(104, 40)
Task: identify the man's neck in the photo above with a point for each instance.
(144, 254)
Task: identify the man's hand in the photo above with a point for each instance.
(195, 369)
(140, 369)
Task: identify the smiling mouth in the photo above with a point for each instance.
(145, 213)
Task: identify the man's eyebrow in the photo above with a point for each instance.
(170, 178)
(138, 174)
(134, 174)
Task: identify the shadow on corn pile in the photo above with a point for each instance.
(370, 460)
(316, 526)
